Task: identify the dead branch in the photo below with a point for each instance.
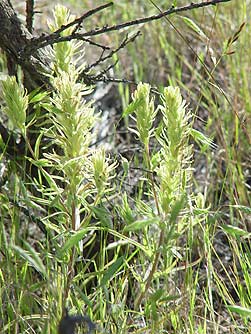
(29, 14)
(50, 39)
(79, 20)
(35, 42)
(98, 77)
(122, 45)
(139, 21)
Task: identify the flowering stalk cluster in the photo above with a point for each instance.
(171, 163)
(174, 170)
(86, 171)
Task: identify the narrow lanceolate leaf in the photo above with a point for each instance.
(242, 208)
(103, 215)
(140, 224)
(177, 207)
(235, 231)
(37, 96)
(194, 26)
(109, 274)
(32, 257)
(71, 242)
(37, 145)
(202, 139)
(132, 107)
(243, 311)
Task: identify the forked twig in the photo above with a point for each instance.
(170, 11)
(50, 39)
(92, 79)
(102, 58)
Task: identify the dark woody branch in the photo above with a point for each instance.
(50, 39)
(14, 38)
(36, 43)
(122, 45)
(78, 21)
(29, 14)
(99, 76)
(23, 50)
(139, 21)
(92, 79)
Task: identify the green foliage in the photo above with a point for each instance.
(143, 107)
(16, 100)
(139, 259)
(63, 52)
(175, 154)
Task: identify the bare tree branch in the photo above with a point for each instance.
(77, 22)
(29, 14)
(83, 17)
(170, 11)
(37, 43)
(122, 45)
(93, 79)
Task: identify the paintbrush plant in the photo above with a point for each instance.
(171, 164)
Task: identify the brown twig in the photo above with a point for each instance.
(105, 78)
(29, 14)
(123, 44)
(89, 41)
(79, 20)
(37, 43)
(170, 11)
(93, 79)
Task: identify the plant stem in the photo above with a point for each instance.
(161, 237)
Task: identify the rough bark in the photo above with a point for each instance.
(14, 38)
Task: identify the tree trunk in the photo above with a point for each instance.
(14, 37)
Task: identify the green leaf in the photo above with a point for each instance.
(103, 215)
(125, 164)
(40, 162)
(155, 160)
(37, 146)
(71, 242)
(83, 296)
(192, 25)
(32, 257)
(202, 140)
(132, 107)
(235, 231)
(177, 207)
(243, 311)
(243, 208)
(157, 295)
(200, 211)
(35, 96)
(140, 224)
(112, 270)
